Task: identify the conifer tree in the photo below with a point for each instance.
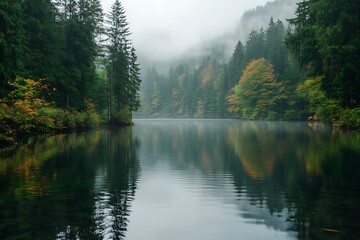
(134, 80)
(255, 46)
(122, 67)
(40, 38)
(275, 47)
(236, 65)
(12, 37)
(326, 40)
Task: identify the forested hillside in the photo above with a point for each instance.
(64, 65)
(205, 91)
(307, 71)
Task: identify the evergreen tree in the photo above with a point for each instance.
(41, 39)
(12, 38)
(123, 70)
(276, 51)
(134, 98)
(302, 39)
(255, 46)
(326, 37)
(79, 23)
(155, 98)
(236, 65)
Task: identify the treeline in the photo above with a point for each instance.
(307, 71)
(206, 91)
(71, 56)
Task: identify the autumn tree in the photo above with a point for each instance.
(258, 95)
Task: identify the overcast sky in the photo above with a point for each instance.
(162, 28)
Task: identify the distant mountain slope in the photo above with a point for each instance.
(222, 46)
(259, 17)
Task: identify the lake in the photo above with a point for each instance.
(184, 179)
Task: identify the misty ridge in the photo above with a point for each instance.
(222, 46)
(200, 83)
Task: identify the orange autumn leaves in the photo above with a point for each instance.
(27, 109)
(257, 95)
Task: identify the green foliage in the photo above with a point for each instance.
(349, 118)
(326, 40)
(326, 109)
(27, 108)
(205, 90)
(320, 106)
(258, 95)
(58, 41)
(24, 111)
(122, 117)
(256, 46)
(12, 37)
(123, 71)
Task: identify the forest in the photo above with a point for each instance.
(65, 65)
(303, 69)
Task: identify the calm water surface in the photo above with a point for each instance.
(184, 179)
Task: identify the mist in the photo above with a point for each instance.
(163, 30)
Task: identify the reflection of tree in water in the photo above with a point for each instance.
(117, 190)
(311, 175)
(76, 186)
(289, 176)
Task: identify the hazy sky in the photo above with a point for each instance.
(162, 28)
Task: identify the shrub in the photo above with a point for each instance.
(24, 111)
(349, 118)
(122, 117)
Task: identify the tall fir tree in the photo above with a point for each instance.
(12, 38)
(122, 67)
(134, 75)
(276, 51)
(326, 39)
(236, 65)
(255, 46)
(41, 39)
(79, 22)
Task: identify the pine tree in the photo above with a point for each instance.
(12, 37)
(255, 46)
(122, 67)
(276, 51)
(302, 40)
(79, 23)
(236, 65)
(326, 40)
(134, 98)
(41, 39)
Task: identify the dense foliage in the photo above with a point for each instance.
(306, 71)
(258, 82)
(326, 40)
(61, 43)
(258, 94)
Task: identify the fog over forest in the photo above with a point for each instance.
(174, 30)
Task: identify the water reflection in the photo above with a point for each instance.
(76, 186)
(291, 177)
(215, 179)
